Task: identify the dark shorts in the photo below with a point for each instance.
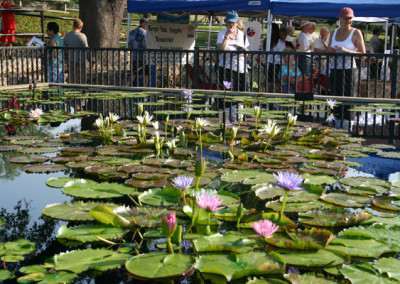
(138, 66)
(7, 38)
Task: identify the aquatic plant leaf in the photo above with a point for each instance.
(313, 258)
(390, 154)
(334, 217)
(60, 182)
(360, 247)
(318, 179)
(375, 184)
(388, 222)
(263, 178)
(44, 168)
(234, 266)
(82, 188)
(309, 193)
(6, 274)
(143, 216)
(297, 207)
(146, 184)
(230, 241)
(28, 159)
(38, 150)
(388, 266)
(150, 176)
(363, 273)
(33, 269)
(309, 278)
(261, 280)
(230, 213)
(160, 265)
(239, 176)
(78, 211)
(10, 148)
(157, 196)
(78, 235)
(302, 239)
(386, 202)
(14, 251)
(284, 222)
(389, 236)
(97, 259)
(267, 191)
(346, 200)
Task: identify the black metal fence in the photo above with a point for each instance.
(356, 75)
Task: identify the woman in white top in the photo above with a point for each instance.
(232, 39)
(344, 40)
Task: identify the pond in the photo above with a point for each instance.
(88, 196)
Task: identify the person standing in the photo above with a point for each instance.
(137, 40)
(56, 74)
(8, 25)
(375, 41)
(343, 69)
(321, 45)
(303, 45)
(76, 57)
(232, 66)
(312, 35)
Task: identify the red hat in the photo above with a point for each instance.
(346, 12)
(4, 3)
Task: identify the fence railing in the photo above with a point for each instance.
(357, 75)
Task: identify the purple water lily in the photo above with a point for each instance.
(227, 84)
(288, 181)
(182, 183)
(188, 96)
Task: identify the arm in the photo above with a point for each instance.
(222, 40)
(330, 48)
(55, 51)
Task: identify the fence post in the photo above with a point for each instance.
(45, 64)
(393, 73)
(196, 64)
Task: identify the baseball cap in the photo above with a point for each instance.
(231, 17)
(346, 12)
(143, 20)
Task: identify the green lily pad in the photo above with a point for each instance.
(81, 234)
(38, 150)
(389, 267)
(146, 184)
(334, 217)
(28, 159)
(97, 259)
(60, 182)
(375, 184)
(5, 274)
(239, 176)
(44, 168)
(361, 274)
(346, 200)
(314, 258)
(302, 239)
(161, 266)
(297, 207)
(308, 278)
(157, 196)
(386, 203)
(33, 269)
(57, 277)
(389, 236)
(360, 247)
(234, 266)
(388, 222)
(84, 189)
(267, 191)
(78, 211)
(310, 193)
(318, 179)
(230, 241)
(14, 251)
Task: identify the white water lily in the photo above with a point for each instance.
(271, 128)
(145, 119)
(113, 117)
(234, 131)
(201, 122)
(331, 103)
(330, 118)
(156, 126)
(140, 108)
(171, 144)
(99, 123)
(240, 118)
(292, 119)
(179, 128)
(257, 111)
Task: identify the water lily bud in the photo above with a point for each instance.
(140, 108)
(200, 167)
(234, 132)
(239, 212)
(167, 119)
(169, 225)
(30, 87)
(240, 116)
(182, 138)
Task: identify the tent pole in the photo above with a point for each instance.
(392, 39)
(269, 27)
(128, 27)
(209, 31)
(386, 35)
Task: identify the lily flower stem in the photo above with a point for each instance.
(224, 119)
(201, 144)
(197, 184)
(266, 146)
(184, 197)
(166, 130)
(209, 218)
(169, 245)
(283, 204)
(262, 142)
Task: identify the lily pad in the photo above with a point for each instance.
(28, 159)
(375, 184)
(297, 207)
(334, 217)
(284, 222)
(314, 258)
(389, 267)
(56, 277)
(318, 179)
(81, 234)
(97, 259)
(346, 200)
(234, 266)
(44, 168)
(360, 247)
(15, 251)
(161, 266)
(6, 274)
(361, 274)
(308, 278)
(78, 211)
(60, 182)
(158, 196)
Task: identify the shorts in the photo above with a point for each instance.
(7, 38)
(137, 67)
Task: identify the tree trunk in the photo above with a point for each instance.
(102, 21)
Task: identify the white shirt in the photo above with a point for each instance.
(232, 45)
(312, 37)
(319, 44)
(302, 43)
(280, 46)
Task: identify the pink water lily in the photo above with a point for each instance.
(288, 181)
(264, 228)
(208, 201)
(36, 113)
(169, 225)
